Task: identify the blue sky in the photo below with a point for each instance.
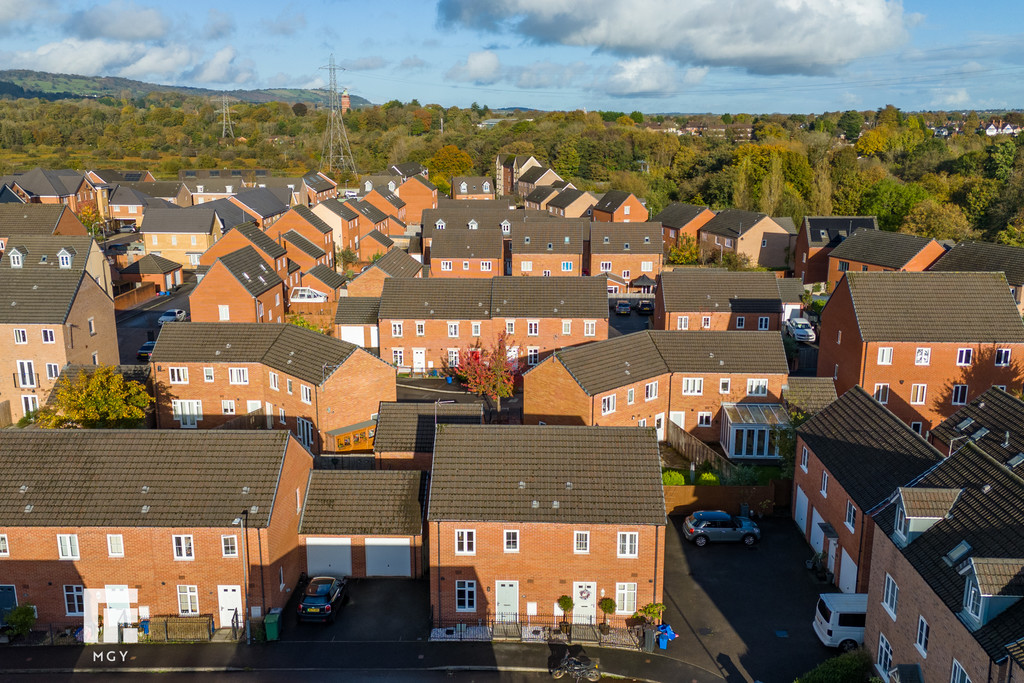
(652, 55)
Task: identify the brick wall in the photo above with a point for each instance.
(465, 268)
(551, 395)
(178, 246)
(712, 398)
(633, 264)
(220, 288)
(550, 263)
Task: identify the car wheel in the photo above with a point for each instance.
(749, 540)
(700, 541)
(848, 646)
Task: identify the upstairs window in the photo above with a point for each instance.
(964, 357)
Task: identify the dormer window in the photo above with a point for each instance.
(506, 227)
(647, 240)
(473, 225)
(972, 599)
(463, 187)
(368, 186)
(439, 225)
(487, 186)
(901, 521)
(16, 259)
(824, 235)
(606, 239)
(64, 259)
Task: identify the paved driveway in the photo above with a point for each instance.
(746, 612)
(376, 610)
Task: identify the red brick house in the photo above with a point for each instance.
(618, 206)
(53, 186)
(239, 287)
(630, 252)
(717, 299)
(425, 323)
(879, 250)
(505, 548)
(343, 220)
(304, 253)
(248, 235)
(261, 205)
(303, 221)
(162, 272)
(467, 216)
(323, 280)
(987, 256)
(507, 170)
(404, 436)
(162, 523)
(550, 248)
(900, 337)
(721, 387)
(39, 219)
(419, 194)
(388, 202)
(472, 253)
(536, 176)
(373, 246)
(317, 187)
(756, 236)
(394, 263)
(818, 236)
(572, 203)
(355, 320)
(362, 524)
(472, 187)
(56, 308)
(945, 596)
(302, 381)
(679, 219)
(850, 459)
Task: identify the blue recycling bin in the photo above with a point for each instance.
(144, 625)
(665, 634)
(449, 379)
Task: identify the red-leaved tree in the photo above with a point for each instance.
(488, 371)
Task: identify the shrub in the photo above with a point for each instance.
(708, 479)
(852, 667)
(743, 475)
(20, 620)
(674, 478)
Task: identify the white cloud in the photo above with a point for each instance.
(549, 75)
(951, 98)
(218, 25)
(101, 58)
(118, 20)
(16, 14)
(695, 75)
(223, 68)
(364, 63)
(642, 77)
(168, 60)
(768, 37)
(480, 68)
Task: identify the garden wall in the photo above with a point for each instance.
(682, 500)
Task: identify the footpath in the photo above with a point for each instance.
(338, 656)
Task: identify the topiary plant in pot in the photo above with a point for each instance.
(565, 604)
(607, 606)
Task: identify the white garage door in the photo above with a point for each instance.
(817, 535)
(800, 510)
(329, 557)
(353, 335)
(388, 557)
(847, 574)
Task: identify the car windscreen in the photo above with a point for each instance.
(824, 611)
(314, 600)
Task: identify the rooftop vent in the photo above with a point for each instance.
(245, 490)
(568, 485)
(29, 507)
(550, 245)
(145, 489)
(522, 484)
(1015, 460)
(145, 509)
(606, 239)
(254, 509)
(23, 489)
(986, 488)
(554, 504)
(535, 504)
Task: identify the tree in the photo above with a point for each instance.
(687, 253)
(447, 162)
(299, 321)
(567, 159)
(90, 218)
(299, 109)
(1013, 235)
(488, 372)
(938, 221)
(347, 257)
(96, 399)
(850, 124)
(891, 201)
(637, 116)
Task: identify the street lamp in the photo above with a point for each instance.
(244, 521)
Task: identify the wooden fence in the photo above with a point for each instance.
(696, 451)
(254, 420)
(132, 298)
(319, 313)
(5, 414)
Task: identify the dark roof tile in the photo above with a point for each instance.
(364, 503)
(409, 427)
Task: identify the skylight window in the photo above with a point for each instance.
(958, 553)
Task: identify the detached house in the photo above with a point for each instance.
(404, 436)
(572, 203)
(179, 235)
(923, 344)
(239, 287)
(879, 250)
(53, 186)
(576, 511)
(633, 253)
(679, 219)
(818, 236)
(56, 308)
(946, 597)
(149, 523)
(395, 263)
(617, 206)
(717, 299)
(987, 257)
(851, 458)
(550, 248)
(746, 233)
(307, 383)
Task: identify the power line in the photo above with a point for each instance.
(335, 153)
(226, 130)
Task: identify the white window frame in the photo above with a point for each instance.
(446, 266)
(532, 328)
(238, 375)
(223, 312)
(227, 406)
(26, 374)
(824, 484)
(972, 599)
(398, 357)
(475, 329)
(628, 544)
(465, 541)
(566, 266)
(918, 394)
(900, 525)
(229, 540)
(763, 322)
(67, 547)
(52, 371)
(881, 393)
(705, 418)
(923, 632)
(396, 328)
(651, 391)
(453, 330)
(581, 542)
(191, 596)
(705, 322)
(964, 357)
(49, 338)
(646, 266)
(630, 394)
(958, 674)
(725, 385)
(526, 266)
(625, 598)
(20, 336)
(465, 596)
(757, 386)
(923, 355)
(76, 594)
(803, 459)
(890, 596)
(5, 548)
(683, 322)
(115, 545)
(566, 327)
(511, 537)
(421, 328)
(741, 322)
(274, 381)
(851, 516)
(883, 660)
(693, 386)
(532, 355)
(1003, 358)
(885, 355)
(608, 404)
(177, 375)
(183, 547)
(306, 394)
(589, 328)
(485, 266)
(959, 400)
(606, 266)
(453, 358)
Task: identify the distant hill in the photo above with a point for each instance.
(24, 83)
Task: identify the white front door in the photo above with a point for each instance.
(847, 574)
(817, 535)
(229, 599)
(800, 511)
(584, 595)
(506, 601)
(268, 413)
(677, 417)
(832, 555)
(419, 360)
(659, 426)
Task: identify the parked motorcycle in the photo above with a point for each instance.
(579, 667)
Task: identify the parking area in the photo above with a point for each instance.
(375, 610)
(745, 612)
(138, 325)
(626, 324)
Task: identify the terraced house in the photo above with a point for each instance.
(818, 236)
(552, 248)
(427, 323)
(239, 287)
(629, 254)
(179, 235)
(722, 387)
(717, 299)
(577, 511)
(879, 250)
(310, 384)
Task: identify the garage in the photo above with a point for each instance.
(329, 556)
(388, 557)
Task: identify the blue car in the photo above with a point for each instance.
(715, 525)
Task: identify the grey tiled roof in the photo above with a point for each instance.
(194, 220)
(533, 174)
(397, 263)
(809, 394)
(836, 228)
(716, 290)
(597, 475)
(541, 193)
(281, 346)
(357, 310)
(229, 213)
(41, 292)
(732, 222)
(869, 451)
(474, 184)
(677, 215)
(484, 243)
(407, 168)
(317, 182)
(43, 182)
(612, 200)
(436, 299)
(924, 502)
(880, 248)
(151, 264)
(195, 478)
(261, 240)
(614, 238)
(426, 183)
(368, 210)
(550, 297)
(30, 219)
(565, 236)
(409, 427)
(786, 223)
(251, 271)
(340, 208)
(984, 256)
(327, 275)
(379, 237)
(988, 515)
(261, 201)
(300, 242)
(791, 290)
(307, 215)
(605, 365)
(370, 502)
(567, 197)
(998, 412)
(934, 306)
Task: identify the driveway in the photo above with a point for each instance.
(138, 325)
(375, 610)
(627, 324)
(746, 612)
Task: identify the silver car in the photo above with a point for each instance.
(716, 525)
(800, 329)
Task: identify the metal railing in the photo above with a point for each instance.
(526, 629)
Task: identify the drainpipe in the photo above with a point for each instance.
(437, 544)
(654, 595)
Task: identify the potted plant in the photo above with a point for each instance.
(607, 606)
(765, 507)
(565, 604)
(650, 613)
(20, 621)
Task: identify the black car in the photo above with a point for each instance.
(645, 307)
(322, 599)
(146, 350)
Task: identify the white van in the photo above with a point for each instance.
(839, 619)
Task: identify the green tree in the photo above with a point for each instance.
(567, 159)
(850, 124)
(1013, 234)
(1000, 160)
(891, 201)
(638, 117)
(686, 253)
(447, 162)
(96, 399)
(939, 221)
